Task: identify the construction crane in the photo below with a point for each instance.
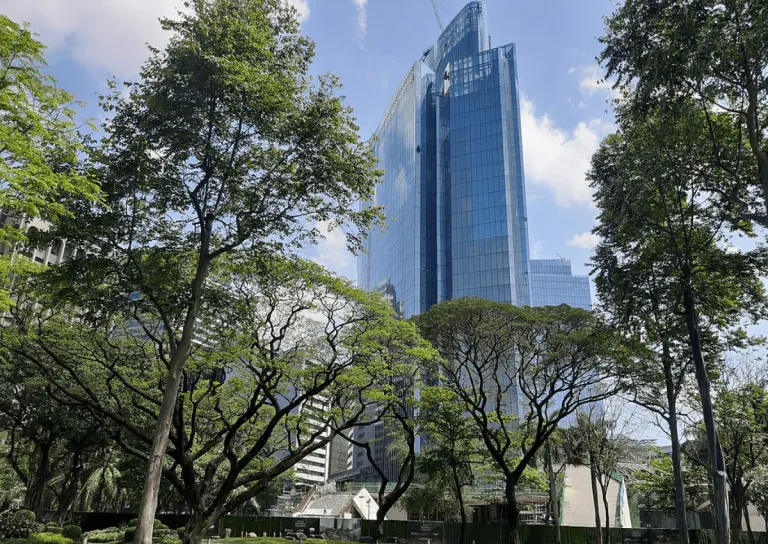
(437, 14)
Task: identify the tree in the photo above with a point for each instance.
(597, 435)
(556, 457)
(452, 450)
(758, 494)
(742, 412)
(431, 496)
(656, 482)
(395, 413)
(714, 53)
(39, 142)
(47, 441)
(224, 149)
(518, 373)
(288, 357)
(658, 220)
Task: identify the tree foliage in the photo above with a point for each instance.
(518, 372)
(40, 144)
(224, 150)
(714, 54)
(287, 358)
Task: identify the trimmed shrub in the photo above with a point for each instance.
(166, 533)
(49, 538)
(133, 523)
(73, 532)
(130, 533)
(51, 525)
(103, 536)
(17, 524)
(159, 525)
(180, 531)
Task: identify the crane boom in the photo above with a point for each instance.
(437, 14)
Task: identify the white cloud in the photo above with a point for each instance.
(585, 240)
(332, 251)
(108, 35)
(537, 250)
(559, 159)
(361, 21)
(593, 81)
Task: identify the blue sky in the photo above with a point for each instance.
(370, 45)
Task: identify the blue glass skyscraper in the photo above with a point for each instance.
(453, 191)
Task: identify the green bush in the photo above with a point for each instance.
(130, 533)
(166, 533)
(159, 525)
(73, 532)
(57, 530)
(51, 525)
(180, 531)
(104, 536)
(133, 523)
(49, 538)
(16, 524)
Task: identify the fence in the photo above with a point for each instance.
(415, 532)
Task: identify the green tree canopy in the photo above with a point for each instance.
(225, 148)
(287, 358)
(518, 372)
(40, 145)
(711, 52)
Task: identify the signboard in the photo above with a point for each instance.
(425, 532)
(291, 526)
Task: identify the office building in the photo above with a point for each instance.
(453, 192)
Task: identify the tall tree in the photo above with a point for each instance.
(597, 435)
(395, 412)
(39, 142)
(225, 148)
(742, 412)
(657, 219)
(46, 440)
(518, 373)
(452, 451)
(288, 357)
(714, 53)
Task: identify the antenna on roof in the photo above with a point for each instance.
(437, 14)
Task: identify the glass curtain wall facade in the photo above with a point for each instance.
(453, 191)
(453, 188)
(552, 283)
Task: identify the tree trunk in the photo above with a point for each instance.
(70, 488)
(36, 482)
(717, 461)
(554, 499)
(148, 505)
(197, 526)
(735, 519)
(681, 514)
(596, 502)
(604, 492)
(460, 499)
(513, 514)
(749, 524)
